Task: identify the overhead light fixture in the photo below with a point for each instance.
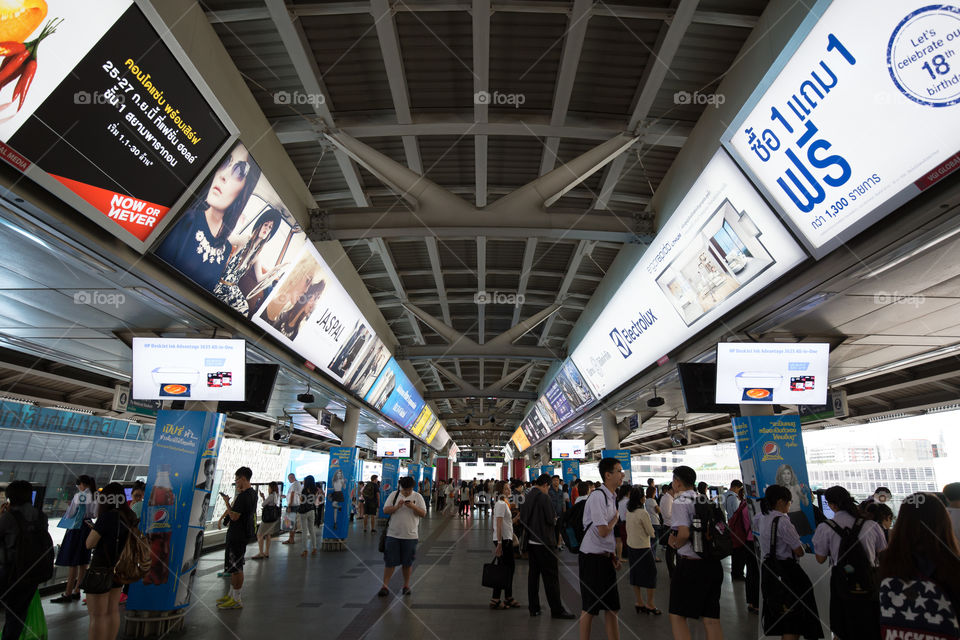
(655, 401)
(306, 398)
(911, 253)
(899, 364)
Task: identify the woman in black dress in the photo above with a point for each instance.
(107, 540)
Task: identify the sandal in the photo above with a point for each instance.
(653, 611)
(259, 556)
(510, 603)
(63, 598)
(496, 604)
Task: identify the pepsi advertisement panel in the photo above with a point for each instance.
(623, 457)
(570, 470)
(395, 396)
(182, 470)
(413, 470)
(341, 485)
(389, 474)
(771, 452)
(547, 469)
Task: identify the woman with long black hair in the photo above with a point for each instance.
(115, 520)
(789, 605)
(244, 263)
(308, 503)
(852, 615)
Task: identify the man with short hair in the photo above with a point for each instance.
(584, 489)
(293, 503)
(371, 504)
(696, 582)
(666, 513)
(556, 501)
(597, 560)
(538, 520)
(240, 532)
(731, 502)
(405, 508)
(952, 493)
(16, 591)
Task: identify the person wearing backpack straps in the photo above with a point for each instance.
(696, 582)
(107, 540)
(920, 572)
(852, 545)
(24, 541)
(790, 612)
(371, 504)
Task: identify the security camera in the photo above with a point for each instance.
(305, 398)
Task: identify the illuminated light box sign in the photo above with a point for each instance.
(494, 457)
(568, 393)
(567, 449)
(395, 396)
(520, 440)
(775, 372)
(721, 245)
(434, 430)
(393, 448)
(108, 119)
(188, 369)
(467, 456)
(852, 121)
(423, 422)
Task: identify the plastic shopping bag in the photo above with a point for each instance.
(289, 522)
(35, 627)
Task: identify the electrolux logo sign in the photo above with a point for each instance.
(626, 336)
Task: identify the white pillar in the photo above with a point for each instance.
(351, 426)
(611, 434)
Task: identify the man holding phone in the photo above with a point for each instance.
(240, 515)
(405, 508)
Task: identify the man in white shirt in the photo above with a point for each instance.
(695, 584)
(405, 508)
(666, 514)
(598, 561)
(293, 502)
(952, 492)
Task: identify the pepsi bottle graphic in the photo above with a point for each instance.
(159, 528)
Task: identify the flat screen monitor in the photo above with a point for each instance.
(188, 369)
(772, 372)
(825, 508)
(393, 448)
(698, 385)
(128, 493)
(567, 449)
(714, 494)
(260, 380)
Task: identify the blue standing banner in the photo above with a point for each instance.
(183, 465)
(389, 474)
(413, 470)
(341, 485)
(623, 456)
(771, 452)
(570, 469)
(533, 472)
(547, 469)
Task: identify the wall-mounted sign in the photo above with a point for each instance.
(721, 245)
(99, 111)
(520, 440)
(774, 372)
(852, 121)
(188, 369)
(395, 396)
(567, 449)
(393, 447)
(18, 415)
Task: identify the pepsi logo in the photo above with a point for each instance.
(770, 449)
(161, 516)
(211, 444)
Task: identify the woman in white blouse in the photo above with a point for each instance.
(503, 544)
(267, 530)
(643, 569)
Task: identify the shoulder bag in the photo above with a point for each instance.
(271, 513)
(382, 547)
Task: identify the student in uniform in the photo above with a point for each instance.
(849, 618)
(796, 614)
(599, 559)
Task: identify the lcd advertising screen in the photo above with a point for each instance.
(188, 369)
(519, 440)
(395, 396)
(393, 448)
(721, 245)
(434, 430)
(423, 422)
(818, 134)
(567, 449)
(774, 372)
(98, 110)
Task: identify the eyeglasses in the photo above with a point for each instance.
(239, 170)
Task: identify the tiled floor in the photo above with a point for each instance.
(333, 595)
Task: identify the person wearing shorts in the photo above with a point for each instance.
(695, 584)
(241, 515)
(405, 508)
(597, 559)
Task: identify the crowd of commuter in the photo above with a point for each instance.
(879, 561)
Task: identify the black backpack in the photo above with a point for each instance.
(571, 525)
(853, 577)
(33, 561)
(715, 534)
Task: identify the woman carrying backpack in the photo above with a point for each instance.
(852, 544)
(107, 540)
(789, 605)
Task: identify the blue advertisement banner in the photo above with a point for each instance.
(395, 396)
(389, 474)
(18, 415)
(428, 474)
(570, 470)
(341, 484)
(413, 470)
(623, 455)
(771, 452)
(183, 465)
(533, 472)
(547, 469)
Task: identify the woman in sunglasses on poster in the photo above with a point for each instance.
(198, 245)
(244, 264)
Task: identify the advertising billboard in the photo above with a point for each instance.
(721, 245)
(567, 449)
(188, 368)
(393, 447)
(852, 121)
(98, 110)
(424, 422)
(764, 373)
(520, 440)
(395, 396)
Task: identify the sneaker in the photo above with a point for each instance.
(230, 603)
(62, 599)
(224, 598)
(123, 598)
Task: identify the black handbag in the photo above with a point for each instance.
(271, 513)
(495, 575)
(382, 546)
(776, 594)
(97, 580)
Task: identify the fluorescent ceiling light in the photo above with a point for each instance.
(899, 364)
(910, 254)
